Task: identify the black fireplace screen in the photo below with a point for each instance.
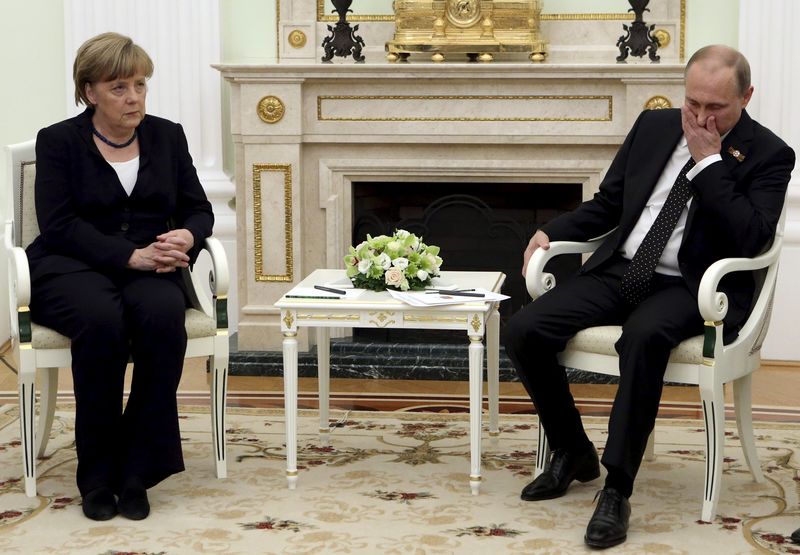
(479, 226)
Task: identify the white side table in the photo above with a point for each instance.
(379, 310)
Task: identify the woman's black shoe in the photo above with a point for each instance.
(133, 503)
(100, 504)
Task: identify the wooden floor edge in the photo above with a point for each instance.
(781, 363)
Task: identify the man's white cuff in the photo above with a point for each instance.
(703, 164)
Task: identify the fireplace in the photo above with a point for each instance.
(479, 226)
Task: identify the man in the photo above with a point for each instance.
(689, 186)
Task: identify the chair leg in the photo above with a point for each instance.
(542, 453)
(650, 450)
(27, 407)
(742, 401)
(324, 381)
(713, 399)
(47, 407)
(219, 390)
(493, 371)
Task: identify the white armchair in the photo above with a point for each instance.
(702, 360)
(37, 347)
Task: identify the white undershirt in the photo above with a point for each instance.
(127, 173)
(668, 264)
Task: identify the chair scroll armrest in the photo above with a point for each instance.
(218, 280)
(713, 304)
(540, 282)
(19, 290)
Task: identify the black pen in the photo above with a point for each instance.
(447, 290)
(330, 290)
(312, 297)
(459, 293)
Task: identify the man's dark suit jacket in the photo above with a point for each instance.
(734, 212)
(86, 219)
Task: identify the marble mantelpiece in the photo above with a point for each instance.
(336, 124)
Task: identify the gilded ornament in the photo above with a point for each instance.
(288, 319)
(663, 37)
(657, 102)
(270, 109)
(476, 323)
(297, 39)
(463, 13)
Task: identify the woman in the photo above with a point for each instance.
(120, 211)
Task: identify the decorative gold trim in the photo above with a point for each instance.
(450, 319)
(383, 318)
(475, 478)
(328, 317)
(297, 39)
(290, 334)
(288, 319)
(657, 102)
(475, 323)
(24, 308)
(291, 473)
(682, 48)
(663, 37)
(277, 29)
(270, 109)
(258, 255)
(320, 117)
(494, 434)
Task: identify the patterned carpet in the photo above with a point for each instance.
(396, 483)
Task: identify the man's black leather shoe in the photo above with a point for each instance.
(796, 536)
(563, 469)
(609, 524)
(133, 503)
(99, 504)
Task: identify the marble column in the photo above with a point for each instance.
(766, 37)
(183, 39)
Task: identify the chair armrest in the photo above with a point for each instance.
(713, 304)
(540, 282)
(219, 278)
(19, 288)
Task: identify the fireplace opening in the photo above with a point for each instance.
(479, 227)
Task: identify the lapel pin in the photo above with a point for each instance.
(736, 154)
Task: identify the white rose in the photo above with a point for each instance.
(422, 275)
(393, 277)
(384, 261)
(402, 234)
(364, 266)
(400, 262)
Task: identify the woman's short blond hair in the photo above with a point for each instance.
(106, 57)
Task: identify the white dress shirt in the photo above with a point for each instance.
(668, 264)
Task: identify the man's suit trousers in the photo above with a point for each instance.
(540, 330)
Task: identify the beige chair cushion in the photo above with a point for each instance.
(197, 325)
(601, 340)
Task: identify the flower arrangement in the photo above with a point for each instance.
(401, 261)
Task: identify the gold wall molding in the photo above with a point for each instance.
(258, 247)
(297, 39)
(321, 117)
(657, 102)
(270, 109)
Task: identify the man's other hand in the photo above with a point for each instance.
(540, 240)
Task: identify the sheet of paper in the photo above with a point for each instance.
(425, 298)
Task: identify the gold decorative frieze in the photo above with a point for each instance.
(382, 319)
(348, 317)
(297, 39)
(270, 109)
(663, 37)
(657, 102)
(532, 108)
(438, 319)
(258, 229)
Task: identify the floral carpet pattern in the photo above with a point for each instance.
(397, 484)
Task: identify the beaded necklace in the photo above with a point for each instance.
(111, 143)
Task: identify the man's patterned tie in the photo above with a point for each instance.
(636, 279)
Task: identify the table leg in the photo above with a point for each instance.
(493, 371)
(324, 379)
(290, 405)
(475, 408)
